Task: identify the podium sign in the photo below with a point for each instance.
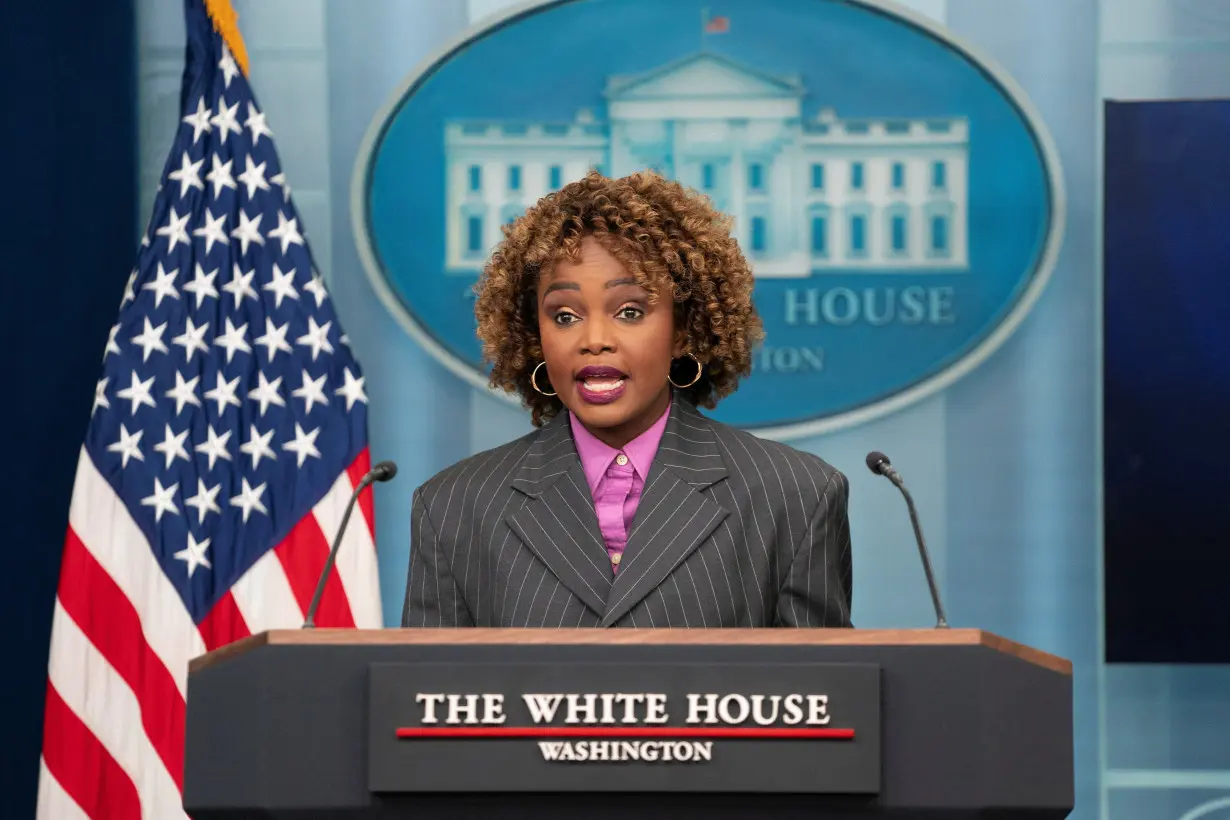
(648, 726)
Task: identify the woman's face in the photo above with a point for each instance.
(608, 351)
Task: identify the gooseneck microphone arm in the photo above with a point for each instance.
(879, 464)
(383, 471)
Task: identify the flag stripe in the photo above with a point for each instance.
(264, 596)
(53, 802)
(108, 709)
(108, 621)
(303, 555)
(103, 525)
(80, 772)
(356, 558)
(355, 472)
(224, 624)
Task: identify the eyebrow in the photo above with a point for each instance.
(613, 283)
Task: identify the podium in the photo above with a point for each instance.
(707, 723)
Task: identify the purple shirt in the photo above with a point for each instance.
(616, 478)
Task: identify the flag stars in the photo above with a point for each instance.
(162, 500)
(188, 175)
(241, 285)
(312, 391)
(172, 446)
(164, 283)
(202, 284)
(138, 393)
(254, 176)
(199, 120)
(150, 339)
(256, 124)
(129, 446)
(352, 390)
(112, 345)
(225, 119)
(192, 339)
(274, 339)
(248, 230)
(205, 501)
(230, 70)
(282, 285)
(266, 393)
(175, 230)
(215, 446)
(249, 499)
(224, 394)
(233, 339)
(130, 294)
(288, 231)
(317, 337)
(100, 395)
(194, 554)
(257, 446)
(316, 287)
(184, 392)
(214, 231)
(304, 444)
(220, 175)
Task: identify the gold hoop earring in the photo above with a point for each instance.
(700, 370)
(534, 380)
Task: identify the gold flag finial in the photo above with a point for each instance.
(226, 22)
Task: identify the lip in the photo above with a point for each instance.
(599, 372)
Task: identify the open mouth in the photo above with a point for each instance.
(600, 385)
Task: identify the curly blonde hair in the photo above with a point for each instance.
(663, 234)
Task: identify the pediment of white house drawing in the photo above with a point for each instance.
(702, 75)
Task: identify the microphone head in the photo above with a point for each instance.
(384, 471)
(877, 461)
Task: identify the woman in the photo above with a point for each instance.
(615, 308)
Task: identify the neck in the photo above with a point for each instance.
(618, 436)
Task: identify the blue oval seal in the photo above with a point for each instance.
(899, 199)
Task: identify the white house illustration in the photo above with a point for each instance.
(808, 196)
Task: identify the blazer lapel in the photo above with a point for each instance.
(558, 522)
(675, 514)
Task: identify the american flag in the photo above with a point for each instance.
(228, 431)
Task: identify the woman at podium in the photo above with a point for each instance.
(616, 308)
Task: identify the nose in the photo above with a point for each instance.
(597, 335)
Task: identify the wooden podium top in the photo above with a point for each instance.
(775, 637)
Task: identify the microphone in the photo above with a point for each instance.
(879, 464)
(383, 471)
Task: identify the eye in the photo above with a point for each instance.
(565, 318)
(630, 313)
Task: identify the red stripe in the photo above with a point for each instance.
(355, 472)
(626, 731)
(303, 556)
(224, 624)
(82, 765)
(109, 621)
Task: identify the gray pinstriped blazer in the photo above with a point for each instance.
(731, 530)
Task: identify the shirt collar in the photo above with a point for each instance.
(596, 456)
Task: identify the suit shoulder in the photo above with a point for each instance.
(475, 471)
(808, 469)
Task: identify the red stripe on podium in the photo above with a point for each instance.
(752, 733)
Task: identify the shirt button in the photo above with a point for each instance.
(615, 559)
(621, 459)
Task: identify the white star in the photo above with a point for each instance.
(192, 339)
(233, 339)
(225, 119)
(188, 175)
(130, 295)
(282, 285)
(249, 499)
(256, 124)
(162, 500)
(312, 392)
(194, 554)
(100, 395)
(202, 284)
(316, 287)
(213, 231)
(164, 283)
(220, 176)
(274, 338)
(150, 339)
(345, 339)
(287, 231)
(304, 444)
(199, 121)
(175, 230)
(254, 176)
(229, 69)
(316, 338)
(215, 447)
(224, 394)
(138, 392)
(173, 445)
(184, 392)
(266, 393)
(279, 179)
(241, 285)
(352, 389)
(112, 345)
(248, 230)
(128, 446)
(204, 500)
(257, 446)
